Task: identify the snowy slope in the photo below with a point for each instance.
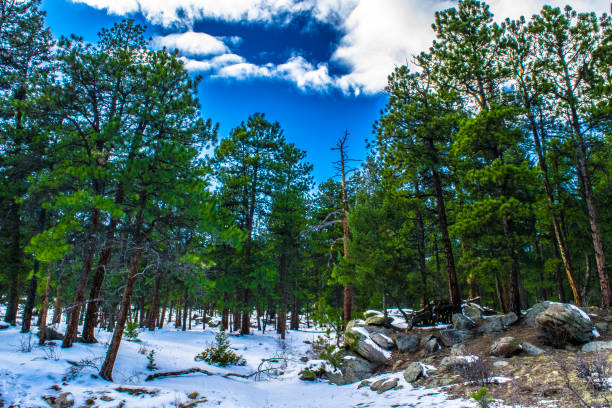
(25, 377)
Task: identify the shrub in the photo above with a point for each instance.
(482, 398)
(219, 353)
(333, 355)
(131, 331)
(151, 357)
(473, 370)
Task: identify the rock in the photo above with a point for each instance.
(374, 386)
(355, 368)
(378, 320)
(4, 326)
(562, 321)
(453, 361)
(304, 359)
(602, 328)
(458, 350)
(371, 313)
(462, 322)
(534, 311)
(407, 343)
(491, 324)
(501, 364)
(413, 372)
(52, 334)
(397, 365)
(472, 311)
(497, 323)
(509, 319)
(432, 345)
(608, 318)
(64, 400)
(531, 350)
(450, 337)
(597, 346)
(387, 385)
(355, 323)
(383, 341)
(505, 347)
(364, 383)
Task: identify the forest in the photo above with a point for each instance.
(487, 176)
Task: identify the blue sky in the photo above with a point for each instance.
(316, 66)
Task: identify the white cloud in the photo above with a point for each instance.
(192, 43)
(377, 35)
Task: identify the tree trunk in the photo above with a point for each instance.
(587, 276)
(57, 306)
(177, 323)
(73, 321)
(163, 313)
(93, 306)
(224, 319)
(421, 251)
(453, 285)
(26, 321)
(245, 326)
(514, 295)
(106, 371)
(295, 316)
(185, 311)
(564, 252)
(42, 315)
(154, 309)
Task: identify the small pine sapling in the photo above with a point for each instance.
(219, 353)
(131, 331)
(152, 364)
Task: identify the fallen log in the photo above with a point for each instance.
(165, 374)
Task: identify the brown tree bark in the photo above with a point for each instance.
(106, 371)
(93, 306)
(73, 316)
(453, 284)
(154, 309)
(57, 306)
(26, 320)
(15, 264)
(160, 324)
(42, 316)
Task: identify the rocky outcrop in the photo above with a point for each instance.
(597, 346)
(378, 320)
(472, 311)
(534, 311)
(497, 323)
(505, 347)
(382, 340)
(413, 372)
(358, 339)
(406, 343)
(462, 322)
(450, 337)
(562, 322)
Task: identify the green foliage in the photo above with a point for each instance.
(131, 331)
(219, 353)
(482, 398)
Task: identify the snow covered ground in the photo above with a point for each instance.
(25, 377)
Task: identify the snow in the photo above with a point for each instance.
(25, 377)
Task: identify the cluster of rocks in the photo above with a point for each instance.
(368, 343)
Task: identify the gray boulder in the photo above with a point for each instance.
(472, 311)
(407, 343)
(450, 337)
(358, 340)
(413, 372)
(534, 311)
(462, 322)
(352, 369)
(531, 350)
(371, 313)
(597, 346)
(432, 345)
(387, 385)
(497, 323)
(562, 321)
(458, 350)
(382, 340)
(378, 320)
(505, 347)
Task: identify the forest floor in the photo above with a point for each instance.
(31, 375)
